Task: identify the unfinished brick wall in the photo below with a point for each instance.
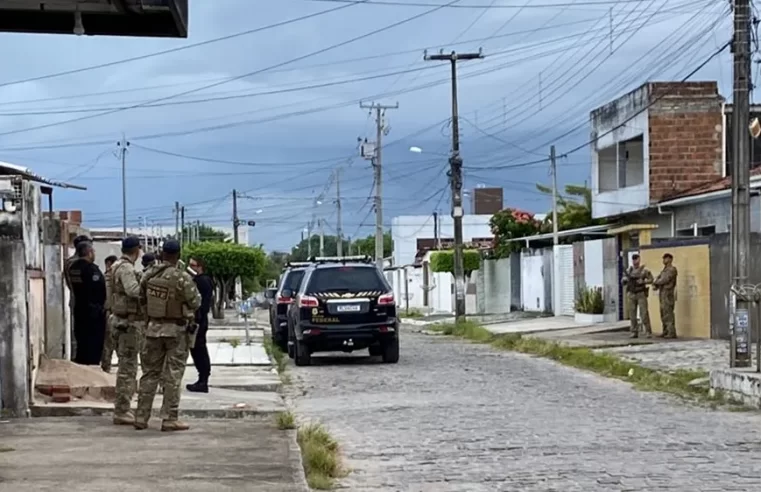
(685, 149)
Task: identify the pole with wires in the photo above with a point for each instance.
(123, 144)
(455, 176)
(740, 231)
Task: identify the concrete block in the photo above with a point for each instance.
(739, 384)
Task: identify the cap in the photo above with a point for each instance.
(148, 258)
(668, 255)
(130, 242)
(80, 239)
(171, 247)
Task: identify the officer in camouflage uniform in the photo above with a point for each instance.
(665, 284)
(636, 279)
(125, 321)
(171, 299)
(109, 343)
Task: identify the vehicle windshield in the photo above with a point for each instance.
(346, 279)
(293, 280)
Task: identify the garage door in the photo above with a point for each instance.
(564, 281)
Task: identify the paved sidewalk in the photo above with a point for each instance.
(91, 455)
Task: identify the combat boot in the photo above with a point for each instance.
(124, 419)
(173, 425)
(140, 425)
(201, 386)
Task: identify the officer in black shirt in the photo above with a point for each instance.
(89, 287)
(200, 352)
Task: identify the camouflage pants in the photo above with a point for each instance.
(126, 337)
(667, 302)
(109, 345)
(636, 301)
(163, 360)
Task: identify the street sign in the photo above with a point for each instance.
(134, 18)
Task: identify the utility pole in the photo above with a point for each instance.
(740, 232)
(377, 162)
(455, 177)
(177, 220)
(236, 222)
(182, 226)
(309, 238)
(554, 171)
(322, 237)
(339, 226)
(436, 242)
(123, 144)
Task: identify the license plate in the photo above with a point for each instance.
(348, 308)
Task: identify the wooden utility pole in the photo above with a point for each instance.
(455, 172)
(236, 221)
(123, 144)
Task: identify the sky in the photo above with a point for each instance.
(275, 114)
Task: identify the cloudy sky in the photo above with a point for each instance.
(273, 113)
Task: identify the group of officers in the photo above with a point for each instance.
(638, 279)
(160, 313)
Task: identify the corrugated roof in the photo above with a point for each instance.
(8, 169)
(718, 185)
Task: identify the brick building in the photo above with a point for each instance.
(662, 155)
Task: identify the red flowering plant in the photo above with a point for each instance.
(511, 223)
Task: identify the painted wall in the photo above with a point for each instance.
(494, 281)
(593, 263)
(693, 289)
(533, 275)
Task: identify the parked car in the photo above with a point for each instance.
(289, 280)
(342, 304)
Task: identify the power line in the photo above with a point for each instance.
(485, 6)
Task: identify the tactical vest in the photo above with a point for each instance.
(163, 295)
(121, 304)
(634, 276)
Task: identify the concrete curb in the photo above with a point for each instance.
(258, 387)
(222, 413)
(297, 462)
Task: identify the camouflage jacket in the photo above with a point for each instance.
(636, 280)
(186, 291)
(126, 292)
(666, 280)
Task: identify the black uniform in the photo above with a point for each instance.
(89, 288)
(199, 351)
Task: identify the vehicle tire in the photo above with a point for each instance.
(391, 351)
(280, 340)
(302, 355)
(290, 344)
(376, 350)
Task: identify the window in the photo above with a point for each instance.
(293, 281)
(346, 279)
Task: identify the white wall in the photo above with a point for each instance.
(593, 263)
(406, 229)
(532, 281)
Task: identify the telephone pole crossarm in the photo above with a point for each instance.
(456, 180)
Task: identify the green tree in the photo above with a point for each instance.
(276, 260)
(300, 252)
(574, 208)
(205, 233)
(366, 246)
(224, 263)
(509, 224)
(443, 261)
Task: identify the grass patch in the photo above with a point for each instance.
(643, 378)
(4, 449)
(320, 453)
(285, 421)
(279, 358)
(413, 313)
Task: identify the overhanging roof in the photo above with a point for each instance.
(598, 229)
(8, 169)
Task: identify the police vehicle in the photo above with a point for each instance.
(290, 279)
(342, 304)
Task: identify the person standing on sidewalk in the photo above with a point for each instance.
(125, 321)
(109, 344)
(665, 284)
(636, 279)
(171, 299)
(200, 351)
(88, 287)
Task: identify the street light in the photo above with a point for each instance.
(418, 150)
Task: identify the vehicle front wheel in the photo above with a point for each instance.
(391, 351)
(302, 355)
(280, 339)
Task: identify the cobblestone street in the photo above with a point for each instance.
(454, 416)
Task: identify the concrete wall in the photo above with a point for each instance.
(494, 281)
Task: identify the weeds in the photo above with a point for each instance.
(321, 456)
(279, 358)
(678, 383)
(413, 313)
(286, 421)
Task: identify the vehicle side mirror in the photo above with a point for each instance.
(270, 293)
(286, 293)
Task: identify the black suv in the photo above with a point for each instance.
(343, 304)
(289, 281)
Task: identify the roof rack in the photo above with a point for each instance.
(297, 264)
(342, 259)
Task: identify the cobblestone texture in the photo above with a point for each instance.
(698, 354)
(458, 417)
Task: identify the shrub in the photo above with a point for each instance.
(591, 301)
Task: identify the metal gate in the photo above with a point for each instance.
(564, 281)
